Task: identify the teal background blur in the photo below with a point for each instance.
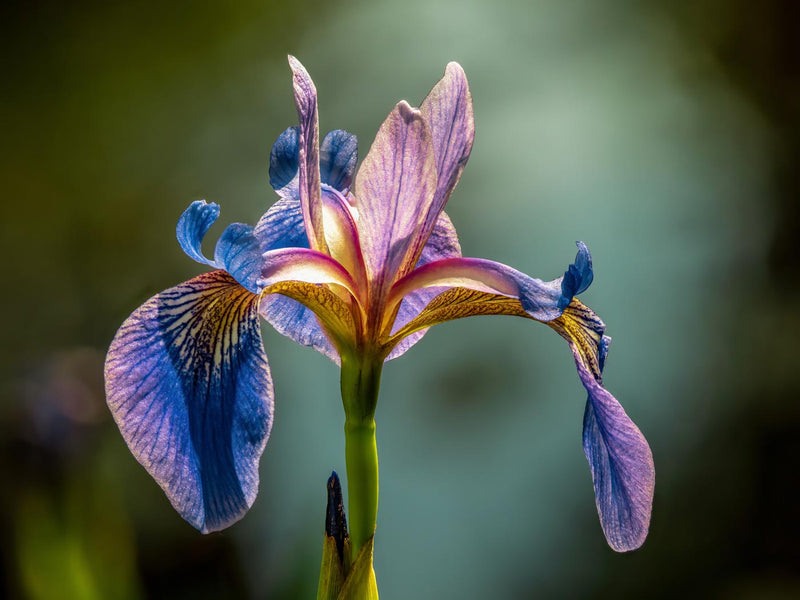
(664, 135)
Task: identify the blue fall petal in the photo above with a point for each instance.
(193, 226)
(188, 384)
(338, 154)
(622, 468)
(619, 456)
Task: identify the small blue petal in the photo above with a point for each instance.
(193, 226)
(188, 384)
(239, 252)
(283, 163)
(338, 155)
(282, 227)
(579, 275)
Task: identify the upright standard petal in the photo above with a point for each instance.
(448, 112)
(188, 384)
(619, 456)
(337, 159)
(394, 190)
(283, 163)
(305, 97)
(338, 154)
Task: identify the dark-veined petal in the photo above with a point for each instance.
(338, 155)
(305, 98)
(301, 275)
(542, 300)
(283, 163)
(448, 111)
(335, 317)
(619, 456)
(394, 190)
(188, 384)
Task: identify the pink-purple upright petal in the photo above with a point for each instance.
(394, 189)
(305, 97)
(448, 112)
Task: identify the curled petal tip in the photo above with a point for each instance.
(579, 275)
(408, 112)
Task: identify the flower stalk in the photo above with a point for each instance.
(360, 383)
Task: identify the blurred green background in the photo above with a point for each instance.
(665, 135)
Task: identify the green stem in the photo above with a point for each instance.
(361, 379)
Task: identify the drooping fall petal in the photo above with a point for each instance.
(188, 384)
(619, 456)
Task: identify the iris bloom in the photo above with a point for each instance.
(357, 268)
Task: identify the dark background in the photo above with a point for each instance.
(665, 135)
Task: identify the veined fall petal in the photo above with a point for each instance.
(188, 384)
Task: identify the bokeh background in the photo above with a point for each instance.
(665, 135)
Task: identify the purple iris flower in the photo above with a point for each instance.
(357, 266)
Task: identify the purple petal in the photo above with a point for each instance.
(188, 384)
(302, 264)
(543, 300)
(619, 456)
(394, 190)
(448, 112)
(305, 97)
(621, 464)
